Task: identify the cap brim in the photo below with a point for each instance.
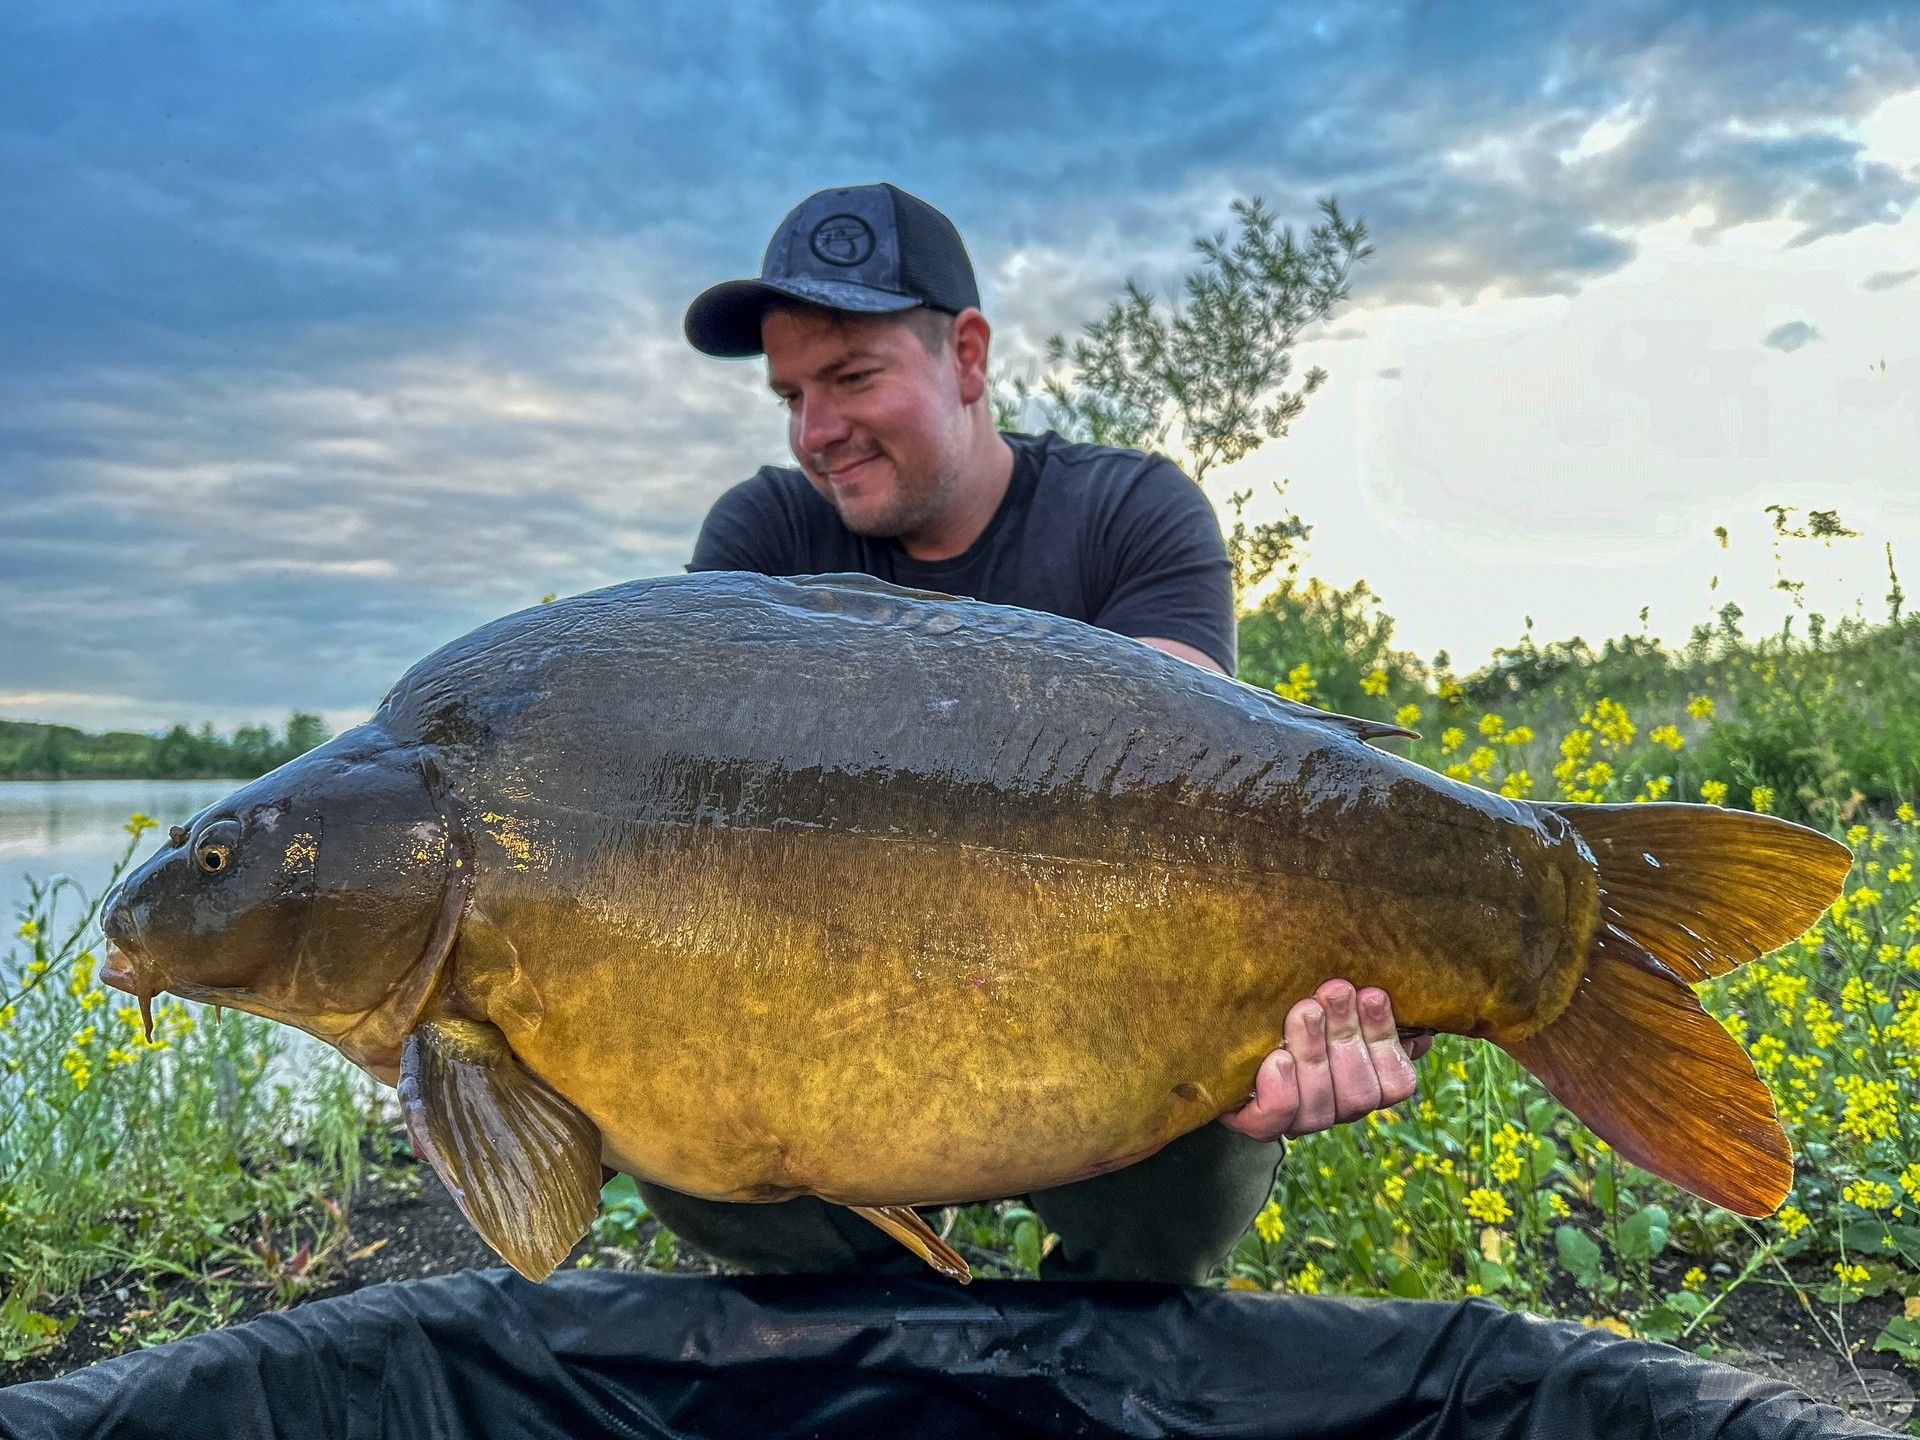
(725, 320)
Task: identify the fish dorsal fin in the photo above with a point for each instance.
(866, 584)
(1368, 730)
(904, 1224)
(522, 1163)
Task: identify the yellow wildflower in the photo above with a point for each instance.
(1762, 797)
(1268, 1223)
(1666, 735)
(1910, 1181)
(1298, 685)
(1491, 724)
(1488, 1206)
(1610, 720)
(1517, 786)
(1871, 1112)
(1450, 739)
(1406, 716)
(1693, 1279)
(1701, 707)
(1851, 1274)
(1713, 792)
(1375, 682)
(1792, 1220)
(1868, 1194)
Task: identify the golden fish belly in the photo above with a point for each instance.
(749, 1014)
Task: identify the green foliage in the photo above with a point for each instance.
(197, 1152)
(30, 751)
(1205, 374)
(1340, 636)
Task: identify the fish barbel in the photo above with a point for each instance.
(759, 887)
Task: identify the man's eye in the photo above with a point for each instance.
(856, 377)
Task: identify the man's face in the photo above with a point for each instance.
(874, 420)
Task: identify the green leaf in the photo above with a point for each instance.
(1578, 1253)
(1603, 1190)
(1663, 1322)
(1026, 1246)
(1906, 1242)
(1902, 1338)
(1408, 1283)
(1643, 1234)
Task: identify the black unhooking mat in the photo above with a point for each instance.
(589, 1353)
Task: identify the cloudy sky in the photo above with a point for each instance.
(329, 331)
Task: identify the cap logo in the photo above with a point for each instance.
(842, 240)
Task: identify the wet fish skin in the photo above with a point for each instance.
(826, 887)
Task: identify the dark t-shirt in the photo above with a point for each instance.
(1113, 537)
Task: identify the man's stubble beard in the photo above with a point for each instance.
(916, 504)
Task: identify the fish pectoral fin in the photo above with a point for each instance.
(522, 1163)
(904, 1224)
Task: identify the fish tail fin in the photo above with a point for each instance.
(1687, 892)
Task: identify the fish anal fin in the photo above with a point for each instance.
(1656, 1077)
(522, 1163)
(904, 1224)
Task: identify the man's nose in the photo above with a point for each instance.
(817, 425)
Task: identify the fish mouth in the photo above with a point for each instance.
(118, 974)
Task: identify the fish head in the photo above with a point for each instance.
(312, 896)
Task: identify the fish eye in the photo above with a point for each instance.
(213, 851)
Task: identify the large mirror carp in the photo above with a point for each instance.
(757, 887)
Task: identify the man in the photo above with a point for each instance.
(868, 315)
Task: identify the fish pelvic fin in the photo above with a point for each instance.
(904, 1224)
(1687, 892)
(522, 1163)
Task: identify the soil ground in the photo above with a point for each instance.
(412, 1230)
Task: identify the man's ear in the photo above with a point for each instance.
(970, 339)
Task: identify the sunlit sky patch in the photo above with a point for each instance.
(333, 331)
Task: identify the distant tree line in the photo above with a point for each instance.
(32, 751)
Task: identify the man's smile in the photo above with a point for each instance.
(848, 473)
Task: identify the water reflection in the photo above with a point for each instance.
(74, 827)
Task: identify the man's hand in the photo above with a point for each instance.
(1342, 1059)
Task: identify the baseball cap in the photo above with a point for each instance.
(869, 249)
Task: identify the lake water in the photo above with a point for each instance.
(74, 828)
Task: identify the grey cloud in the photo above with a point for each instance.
(330, 333)
(1791, 336)
(1888, 279)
